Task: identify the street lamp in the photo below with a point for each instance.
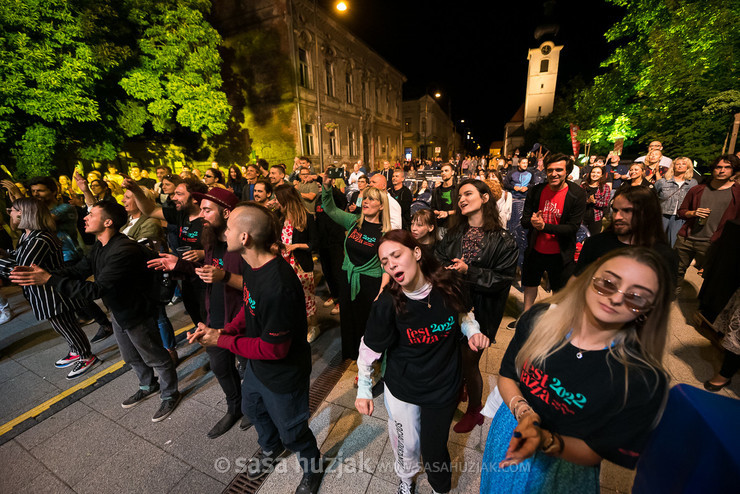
(341, 6)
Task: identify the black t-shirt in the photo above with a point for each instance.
(275, 311)
(404, 198)
(188, 232)
(362, 244)
(598, 245)
(216, 307)
(423, 348)
(585, 398)
(443, 199)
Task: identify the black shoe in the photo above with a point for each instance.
(709, 386)
(246, 424)
(103, 333)
(223, 425)
(261, 463)
(166, 408)
(310, 482)
(140, 396)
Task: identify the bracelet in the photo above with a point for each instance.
(514, 398)
(545, 447)
(227, 277)
(556, 445)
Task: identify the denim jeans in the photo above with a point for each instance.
(166, 331)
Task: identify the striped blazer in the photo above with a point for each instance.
(43, 249)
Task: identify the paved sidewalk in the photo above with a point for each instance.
(91, 444)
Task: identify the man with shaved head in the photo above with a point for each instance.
(271, 331)
(379, 182)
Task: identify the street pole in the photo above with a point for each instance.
(318, 86)
(733, 139)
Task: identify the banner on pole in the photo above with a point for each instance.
(574, 139)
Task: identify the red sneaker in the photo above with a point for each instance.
(468, 421)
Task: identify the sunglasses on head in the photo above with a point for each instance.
(633, 301)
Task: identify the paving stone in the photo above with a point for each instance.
(52, 425)
(380, 486)
(284, 479)
(81, 447)
(345, 480)
(195, 482)
(358, 438)
(107, 398)
(9, 369)
(137, 467)
(27, 391)
(21, 472)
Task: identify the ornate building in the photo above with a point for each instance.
(428, 131)
(301, 76)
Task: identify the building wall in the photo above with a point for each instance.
(540, 95)
(438, 131)
(372, 115)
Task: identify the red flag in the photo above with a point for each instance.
(574, 139)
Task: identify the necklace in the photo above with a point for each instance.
(580, 352)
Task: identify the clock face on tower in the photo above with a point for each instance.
(546, 50)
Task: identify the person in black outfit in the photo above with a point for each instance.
(403, 196)
(485, 254)
(444, 198)
(417, 322)
(221, 271)
(270, 330)
(331, 246)
(635, 213)
(185, 215)
(127, 287)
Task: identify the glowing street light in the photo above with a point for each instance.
(341, 6)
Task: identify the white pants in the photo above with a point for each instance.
(404, 425)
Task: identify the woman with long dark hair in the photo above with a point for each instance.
(299, 237)
(235, 181)
(418, 321)
(40, 246)
(598, 194)
(485, 254)
(582, 379)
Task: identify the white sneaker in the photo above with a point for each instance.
(329, 302)
(313, 333)
(5, 315)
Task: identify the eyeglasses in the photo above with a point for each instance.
(635, 302)
(209, 176)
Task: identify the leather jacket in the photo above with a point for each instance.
(494, 268)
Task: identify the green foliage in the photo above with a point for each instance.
(76, 76)
(671, 77)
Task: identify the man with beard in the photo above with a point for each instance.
(270, 330)
(185, 216)
(635, 214)
(263, 193)
(221, 271)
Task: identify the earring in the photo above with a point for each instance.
(640, 320)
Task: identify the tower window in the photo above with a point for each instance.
(544, 65)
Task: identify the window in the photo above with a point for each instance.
(377, 100)
(348, 86)
(308, 139)
(407, 125)
(303, 72)
(424, 125)
(333, 144)
(329, 79)
(352, 142)
(544, 65)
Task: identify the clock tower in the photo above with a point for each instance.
(541, 81)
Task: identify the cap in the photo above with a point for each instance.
(222, 197)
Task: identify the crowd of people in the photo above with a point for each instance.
(418, 267)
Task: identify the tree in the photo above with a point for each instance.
(672, 59)
(78, 76)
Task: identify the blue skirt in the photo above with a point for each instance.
(540, 473)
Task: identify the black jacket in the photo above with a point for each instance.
(122, 280)
(573, 211)
(495, 267)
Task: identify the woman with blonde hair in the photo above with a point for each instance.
(364, 275)
(299, 237)
(672, 189)
(40, 246)
(637, 177)
(582, 379)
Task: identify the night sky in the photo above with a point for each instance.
(475, 52)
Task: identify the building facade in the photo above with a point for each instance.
(542, 77)
(338, 99)
(428, 131)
